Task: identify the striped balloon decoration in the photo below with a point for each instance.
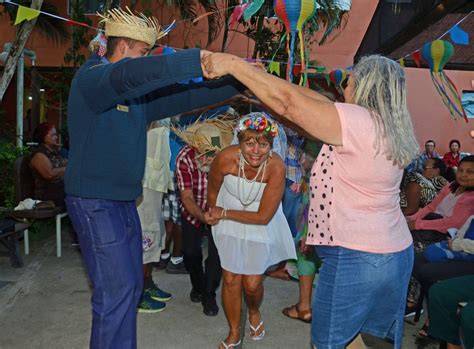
(437, 53)
(294, 14)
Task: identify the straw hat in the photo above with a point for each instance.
(208, 135)
(125, 24)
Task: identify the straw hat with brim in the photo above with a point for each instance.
(208, 135)
(125, 24)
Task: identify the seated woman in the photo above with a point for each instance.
(246, 185)
(418, 190)
(48, 166)
(450, 209)
(446, 260)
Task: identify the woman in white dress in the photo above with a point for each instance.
(245, 188)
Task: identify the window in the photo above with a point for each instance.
(92, 6)
(467, 100)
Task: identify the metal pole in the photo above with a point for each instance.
(19, 101)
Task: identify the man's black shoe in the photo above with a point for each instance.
(195, 296)
(210, 307)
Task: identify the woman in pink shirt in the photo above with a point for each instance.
(355, 220)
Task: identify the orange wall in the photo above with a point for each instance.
(430, 117)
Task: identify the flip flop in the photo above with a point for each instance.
(232, 345)
(257, 337)
(303, 315)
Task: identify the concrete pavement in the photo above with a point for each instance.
(46, 305)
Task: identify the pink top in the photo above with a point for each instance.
(355, 191)
(463, 208)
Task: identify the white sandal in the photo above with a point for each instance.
(232, 345)
(257, 337)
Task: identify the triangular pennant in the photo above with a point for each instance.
(459, 36)
(401, 61)
(274, 67)
(320, 69)
(417, 58)
(25, 13)
(296, 69)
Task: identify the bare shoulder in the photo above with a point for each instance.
(276, 167)
(226, 159)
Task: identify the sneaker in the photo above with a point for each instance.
(150, 305)
(195, 296)
(163, 263)
(158, 294)
(179, 268)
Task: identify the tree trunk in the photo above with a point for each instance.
(17, 48)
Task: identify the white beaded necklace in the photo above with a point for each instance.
(248, 200)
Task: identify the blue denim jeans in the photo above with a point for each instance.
(290, 204)
(359, 292)
(110, 236)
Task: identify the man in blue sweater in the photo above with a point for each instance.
(111, 102)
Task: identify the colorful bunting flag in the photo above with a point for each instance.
(25, 13)
(459, 36)
(274, 67)
(401, 61)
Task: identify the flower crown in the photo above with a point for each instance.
(258, 122)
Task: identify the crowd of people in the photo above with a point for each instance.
(289, 189)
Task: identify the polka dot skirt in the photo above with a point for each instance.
(321, 189)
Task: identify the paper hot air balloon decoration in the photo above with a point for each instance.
(294, 14)
(437, 53)
(337, 77)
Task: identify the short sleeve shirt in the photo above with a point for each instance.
(355, 191)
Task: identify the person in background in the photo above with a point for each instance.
(307, 262)
(155, 183)
(452, 158)
(204, 139)
(48, 166)
(355, 220)
(419, 189)
(450, 209)
(445, 260)
(447, 318)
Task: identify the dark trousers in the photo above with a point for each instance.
(204, 281)
(110, 236)
(443, 305)
(427, 273)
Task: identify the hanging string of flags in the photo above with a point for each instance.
(436, 53)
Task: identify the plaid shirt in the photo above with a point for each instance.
(292, 160)
(189, 177)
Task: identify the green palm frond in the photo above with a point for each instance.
(330, 18)
(189, 9)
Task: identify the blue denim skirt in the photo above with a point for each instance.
(359, 292)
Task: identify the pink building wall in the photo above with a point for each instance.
(431, 118)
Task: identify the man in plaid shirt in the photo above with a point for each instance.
(192, 174)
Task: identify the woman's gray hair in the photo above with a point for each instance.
(379, 86)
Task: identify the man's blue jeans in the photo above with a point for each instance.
(110, 236)
(291, 203)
